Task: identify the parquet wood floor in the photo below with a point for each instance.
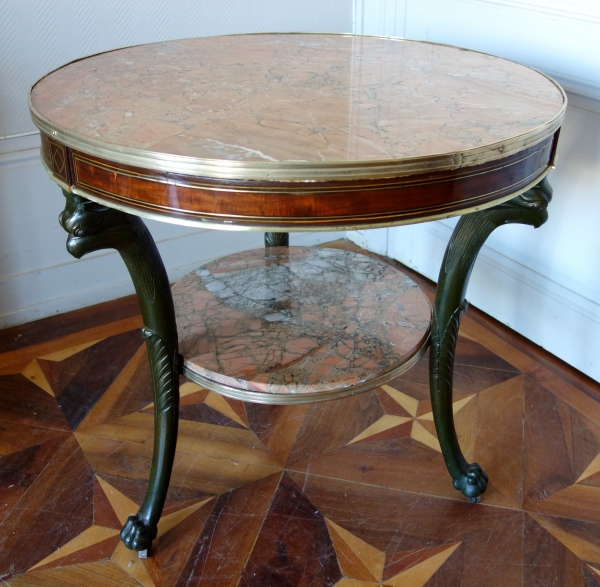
(347, 493)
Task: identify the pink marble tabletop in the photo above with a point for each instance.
(298, 320)
(285, 98)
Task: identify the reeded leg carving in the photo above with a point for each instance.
(92, 227)
(467, 239)
(277, 239)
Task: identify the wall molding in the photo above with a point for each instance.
(17, 159)
(507, 291)
(559, 293)
(40, 290)
(20, 151)
(382, 242)
(577, 86)
(379, 17)
(554, 36)
(37, 37)
(576, 11)
(102, 276)
(590, 104)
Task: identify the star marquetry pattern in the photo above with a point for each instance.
(37, 370)
(96, 542)
(592, 472)
(364, 565)
(418, 424)
(255, 489)
(191, 393)
(581, 547)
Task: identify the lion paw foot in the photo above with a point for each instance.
(472, 483)
(138, 534)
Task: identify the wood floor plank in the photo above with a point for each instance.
(316, 435)
(98, 574)
(295, 528)
(221, 553)
(100, 365)
(560, 444)
(23, 402)
(20, 469)
(94, 535)
(130, 391)
(400, 524)
(55, 509)
(63, 325)
(29, 353)
(547, 561)
(173, 550)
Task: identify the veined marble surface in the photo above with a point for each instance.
(298, 319)
(297, 97)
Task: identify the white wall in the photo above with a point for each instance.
(544, 283)
(37, 276)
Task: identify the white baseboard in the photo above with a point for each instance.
(555, 316)
(375, 240)
(38, 278)
(102, 276)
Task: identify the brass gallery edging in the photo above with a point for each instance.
(285, 171)
(290, 171)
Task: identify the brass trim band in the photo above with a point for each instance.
(281, 187)
(294, 224)
(296, 171)
(299, 171)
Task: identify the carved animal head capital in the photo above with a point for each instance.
(91, 226)
(531, 207)
(539, 196)
(80, 218)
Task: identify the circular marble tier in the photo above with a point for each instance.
(295, 131)
(298, 324)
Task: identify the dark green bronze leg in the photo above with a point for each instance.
(467, 239)
(277, 239)
(92, 227)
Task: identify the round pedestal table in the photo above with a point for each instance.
(295, 132)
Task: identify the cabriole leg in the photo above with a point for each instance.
(467, 239)
(92, 227)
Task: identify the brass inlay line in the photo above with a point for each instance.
(262, 224)
(293, 219)
(291, 189)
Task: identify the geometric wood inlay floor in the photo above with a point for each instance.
(348, 493)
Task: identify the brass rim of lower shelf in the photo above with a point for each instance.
(258, 397)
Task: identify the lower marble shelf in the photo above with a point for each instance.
(298, 324)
